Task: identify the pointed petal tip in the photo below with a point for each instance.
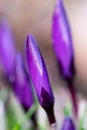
(31, 45)
(68, 124)
(30, 38)
(58, 2)
(4, 25)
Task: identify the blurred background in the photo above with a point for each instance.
(35, 17)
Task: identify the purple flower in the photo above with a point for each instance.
(68, 124)
(7, 49)
(22, 87)
(62, 44)
(39, 75)
(62, 41)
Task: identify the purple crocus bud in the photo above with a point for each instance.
(68, 124)
(62, 44)
(62, 41)
(39, 77)
(7, 49)
(22, 87)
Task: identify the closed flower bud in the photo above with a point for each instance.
(39, 76)
(62, 41)
(68, 124)
(62, 44)
(7, 49)
(22, 87)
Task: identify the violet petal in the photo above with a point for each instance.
(68, 124)
(22, 87)
(39, 73)
(7, 49)
(62, 42)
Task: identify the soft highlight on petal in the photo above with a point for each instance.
(62, 41)
(38, 73)
(36, 54)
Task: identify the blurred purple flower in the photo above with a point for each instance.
(62, 44)
(22, 87)
(7, 49)
(62, 41)
(39, 76)
(68, 124)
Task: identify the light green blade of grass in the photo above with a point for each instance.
(14, 112)
(67, 110)
(26, 117)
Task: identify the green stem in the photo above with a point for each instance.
(28, 115)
